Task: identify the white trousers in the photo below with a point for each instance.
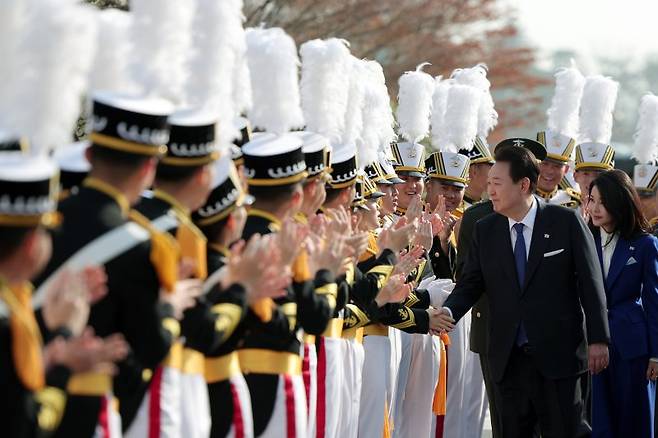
(375, 386)
(109, 420)
(310, 376)
(243, 421)
(415, 418)
(329, 386)
(194, 406)
(159, 412)
(353, 359)
(289, 414)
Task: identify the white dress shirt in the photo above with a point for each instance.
(607, 250)
(529, 223)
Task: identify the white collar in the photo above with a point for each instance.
(605, 237)
(529, 219)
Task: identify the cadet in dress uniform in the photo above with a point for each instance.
(182, 183)
(222, 219)
(591, 160)
(447, 176)
(559, 149)
(377, 380)
(128, 135)
(381, 173)
(340, 355)
(270, 354)
(644, 180)
(594, 153)
(316, 151)
(419, 354)
(645, 151)
(33, 398)
(481, 161)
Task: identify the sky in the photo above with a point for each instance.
(595, 27)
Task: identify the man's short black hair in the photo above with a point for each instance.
(523, 164)
(11, 238)
(117, 159)
(333, 193)
(273, 194)
(175, 174)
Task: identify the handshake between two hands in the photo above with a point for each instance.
(441, 321)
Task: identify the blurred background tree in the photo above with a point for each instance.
(403, 33)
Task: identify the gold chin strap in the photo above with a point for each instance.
(25, 335)
(547, 196)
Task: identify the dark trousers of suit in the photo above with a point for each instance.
(528, 400)
(493, 395)
(622, 398)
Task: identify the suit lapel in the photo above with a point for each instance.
(619, 258)
(537, 245)
(506, 254)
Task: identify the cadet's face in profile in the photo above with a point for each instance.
(39, 250)
(390, 200)
(505, 194)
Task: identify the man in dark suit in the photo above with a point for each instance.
(537, 264)
(479, 338)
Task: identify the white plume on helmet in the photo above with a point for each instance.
(414, 104)
(645, 149)
(273, 65)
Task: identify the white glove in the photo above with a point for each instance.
(425, 282)
(439, 291)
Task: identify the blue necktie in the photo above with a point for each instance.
(520, 258)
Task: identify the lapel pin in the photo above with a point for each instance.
(546, 236)
(632, 248)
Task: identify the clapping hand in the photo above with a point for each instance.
(68, 300)
(415, 209)
(289, 240)
(424, 236)
(397, 237)
(258, 267)
(183, 296)
(409, 260)
(394, 291)
(435, 217)
(326, 254)
(87, 352)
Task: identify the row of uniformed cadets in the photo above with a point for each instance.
(189, 333)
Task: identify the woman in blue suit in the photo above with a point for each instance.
(623, 394)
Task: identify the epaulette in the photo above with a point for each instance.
(575, 196)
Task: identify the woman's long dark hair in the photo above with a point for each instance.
(622, 202)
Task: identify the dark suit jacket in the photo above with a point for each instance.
(480, 316)
(562, 299)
